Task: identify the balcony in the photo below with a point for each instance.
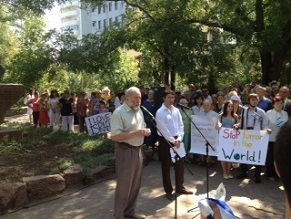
(70, 23)
(69, 14)
(71, 5)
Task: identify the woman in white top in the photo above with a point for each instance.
(54, 108)
(27, 99)
(198, 108)
(276, 118)
(212, 115)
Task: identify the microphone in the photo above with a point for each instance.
(183, 106)
(148, 112)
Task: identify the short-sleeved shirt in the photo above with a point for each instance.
(67, 106)
(125, 119)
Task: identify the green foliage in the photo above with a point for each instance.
(34, 56)
(172, 38)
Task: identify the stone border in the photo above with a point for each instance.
(17, 195)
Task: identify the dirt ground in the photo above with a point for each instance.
(41, 160)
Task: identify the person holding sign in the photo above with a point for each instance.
(171, 131)
(227, 119)
(127, 130)
(212, 115)
(253, 118)
(276, 118)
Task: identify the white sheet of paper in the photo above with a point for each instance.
(181, 151)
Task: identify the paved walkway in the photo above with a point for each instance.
(247, 199)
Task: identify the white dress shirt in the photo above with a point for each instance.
(169, 123)
(255, 118)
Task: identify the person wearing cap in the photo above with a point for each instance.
(274, 83)
(264, 103)
(253, 118)
(237, 107)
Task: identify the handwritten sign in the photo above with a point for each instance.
(98, 124)
(243, 146)
(207, 127)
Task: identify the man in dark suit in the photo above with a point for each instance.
(284, 92)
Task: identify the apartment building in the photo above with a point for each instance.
(82, 20)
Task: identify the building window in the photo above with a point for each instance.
(116, 5)
(104, 23)
(104, 8)
(93, 23)
(99, 9)
(99, 25)
(116, 19)
(110, 6)
(110, 21)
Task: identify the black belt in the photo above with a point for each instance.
(123, 144)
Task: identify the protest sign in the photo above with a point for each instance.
(207, 127)
(243, 146)
(98, 124)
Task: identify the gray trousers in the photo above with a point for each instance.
(129, 163)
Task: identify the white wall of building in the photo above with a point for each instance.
(83, 21)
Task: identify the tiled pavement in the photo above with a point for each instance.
(247, 199)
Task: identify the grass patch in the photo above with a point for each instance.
(58, 148)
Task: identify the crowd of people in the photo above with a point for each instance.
(251, 108)
(64, 110)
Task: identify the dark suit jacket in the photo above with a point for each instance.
(287, 107)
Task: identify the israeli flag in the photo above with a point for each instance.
(218, 199)
(224, 209)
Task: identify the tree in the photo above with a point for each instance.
(35, 54)
(257, 25)
(171, 46)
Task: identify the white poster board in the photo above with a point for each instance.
(98, 124)
(243, 146)
(207, 126)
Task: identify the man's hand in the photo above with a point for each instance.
(177, 143)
